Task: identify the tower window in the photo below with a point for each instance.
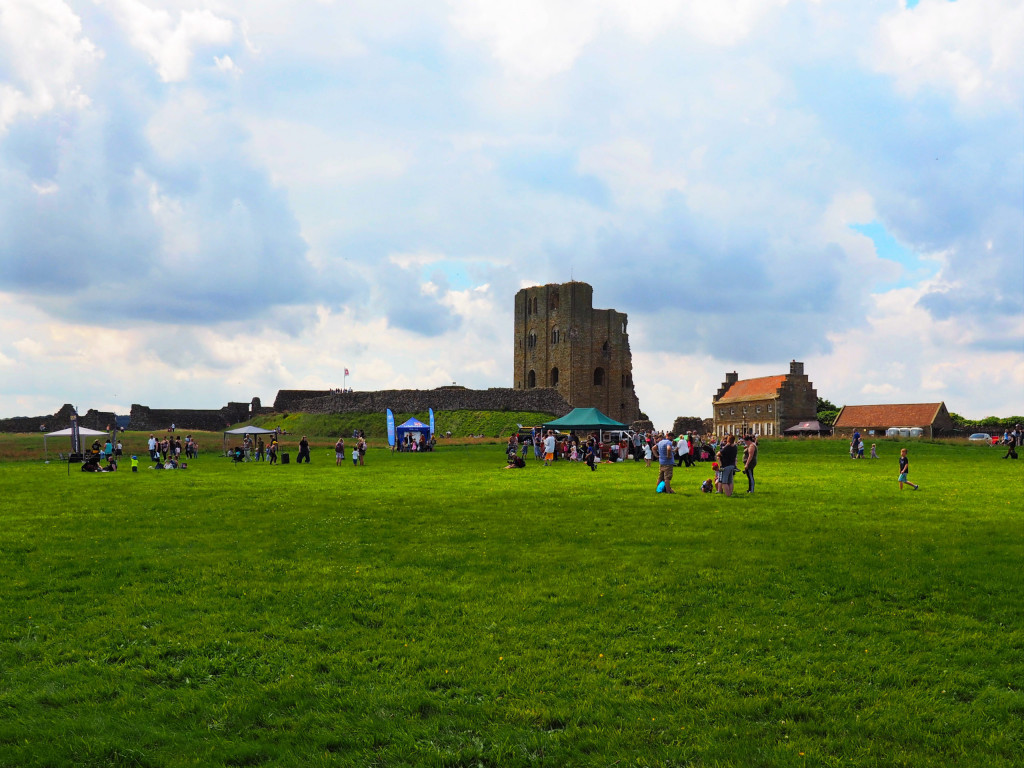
(531, 380)
(554, 300)
(554, 377)
(599, 377)
(555, 336)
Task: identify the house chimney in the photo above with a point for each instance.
(796, 369)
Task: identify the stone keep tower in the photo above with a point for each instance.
(562, 342)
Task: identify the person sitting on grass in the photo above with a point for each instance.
(905, 470)
(515, 461)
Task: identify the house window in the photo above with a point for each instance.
(554, 377)
(769, 407)
(732, 411)
(759, 409)
(531, 380)
(598, 377)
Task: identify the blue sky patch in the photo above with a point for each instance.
(915, 269)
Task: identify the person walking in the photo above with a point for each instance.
(666, 462)
(303, 450)
(339, 452)
(905, 470)
(750, 461)
(1011, 443)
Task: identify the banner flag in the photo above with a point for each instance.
(347, 373)
(76, 436)
(391, 428)
(431, 410)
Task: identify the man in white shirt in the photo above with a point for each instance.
(549, 448)
(152, 447)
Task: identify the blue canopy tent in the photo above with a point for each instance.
(412, 427)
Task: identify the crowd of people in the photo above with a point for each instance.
(670, 450)
(171, 447)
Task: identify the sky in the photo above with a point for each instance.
(211, 200)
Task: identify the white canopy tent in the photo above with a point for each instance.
(82, 431)
(248, 429)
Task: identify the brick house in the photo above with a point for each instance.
(933, 418)
(764, 406)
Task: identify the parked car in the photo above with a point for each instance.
(981, 436)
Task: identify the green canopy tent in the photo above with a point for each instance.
(584, 419)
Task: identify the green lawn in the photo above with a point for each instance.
(436, 610)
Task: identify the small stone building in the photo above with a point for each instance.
(562, 342)
(933, 418)
(764, 406)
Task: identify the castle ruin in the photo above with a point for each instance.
(562, 342)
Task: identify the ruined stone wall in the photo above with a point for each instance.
(561, 341)
(543, 400)
(148, 419)
(92, 419)
(693, 425)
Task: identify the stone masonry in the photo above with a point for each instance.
(543, 400)
(562, 342)
(764, 406)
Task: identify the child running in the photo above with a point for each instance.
(905, 470)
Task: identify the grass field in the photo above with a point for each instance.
(435, 610)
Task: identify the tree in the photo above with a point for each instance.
(827, 417)
(825, 405)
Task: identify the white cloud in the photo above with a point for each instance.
(629, 169)
(168, 42)
(303, 154)
(227, 66)
(971, 49)
(43, 42)
(543, 38)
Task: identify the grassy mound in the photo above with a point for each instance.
(460, 423)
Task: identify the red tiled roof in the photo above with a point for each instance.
(753, 389)
(907, 415)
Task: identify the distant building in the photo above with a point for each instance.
(562, 342)
(764, 406)
(933, 418)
